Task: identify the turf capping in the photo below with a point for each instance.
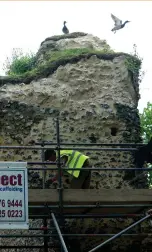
(72, 56)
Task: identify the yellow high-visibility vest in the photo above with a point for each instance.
(75, 160)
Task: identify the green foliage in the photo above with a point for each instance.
(146, 131)
(150, 176)
(19, 63)
(57, 55)
(54, 59)
(134, 64)
(146, 122)
(70, 53)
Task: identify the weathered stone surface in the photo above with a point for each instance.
(70, 41)
(97, 103)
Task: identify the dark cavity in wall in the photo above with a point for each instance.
(114, 131)
(92, 138)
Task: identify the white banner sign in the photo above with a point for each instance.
(13, 195)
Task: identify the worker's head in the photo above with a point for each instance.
(50, 155)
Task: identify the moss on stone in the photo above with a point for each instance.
(131, 118)
(65, 36)
(131, 134)
(61, 58)
(134, 65)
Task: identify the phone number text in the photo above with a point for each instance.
(10, 203)
(10, 213)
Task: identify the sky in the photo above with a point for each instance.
(25, 24)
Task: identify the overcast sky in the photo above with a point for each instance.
(25, 24)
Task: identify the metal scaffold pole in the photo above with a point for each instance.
(44, 219)
(120, 233)
(58, 210)
(59, 233)
(60, 189)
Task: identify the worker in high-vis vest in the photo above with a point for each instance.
(72, 159)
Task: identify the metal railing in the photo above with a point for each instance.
(58, 219)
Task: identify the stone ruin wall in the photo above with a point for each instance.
(93, 99)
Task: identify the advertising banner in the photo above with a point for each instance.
(13, 195)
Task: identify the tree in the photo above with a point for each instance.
(146, 123)
(146, 131)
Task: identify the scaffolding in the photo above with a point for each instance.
(57, 212)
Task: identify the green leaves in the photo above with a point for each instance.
(146, 131)
(19, 63)
(146, 122)
(24, 67)
(134, 64)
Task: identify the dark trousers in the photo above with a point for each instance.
(83, 181)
